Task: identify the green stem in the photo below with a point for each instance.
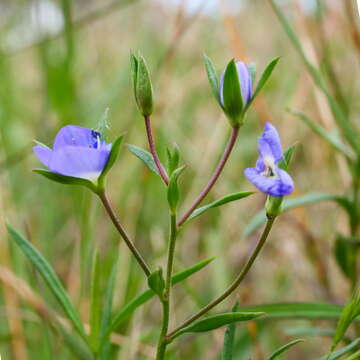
(123, 233)
(232, 287)
(162, 344)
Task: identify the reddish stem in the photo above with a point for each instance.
(215, 176)
(157, 161)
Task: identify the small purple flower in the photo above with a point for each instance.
(77, 152)
(245, 82)
(267, 176)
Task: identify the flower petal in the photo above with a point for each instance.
(86, 163)
(274, 186)
(271, 136)
(72, 135)
(245, 81)
(43, 153)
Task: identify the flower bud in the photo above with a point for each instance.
(235, 90)
(142, 85)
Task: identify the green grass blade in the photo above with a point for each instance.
(284, 348)
(338, 354)
(229, 339)
(51, 279)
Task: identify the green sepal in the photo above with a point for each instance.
(233, 102)
(142, 84)
(213, 78)
(156, 282)
(115, 148)
(173, 193)
(67, 180)
(216, 321)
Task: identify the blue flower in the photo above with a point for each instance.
(77, 152)
(245, 82)
(267, 176)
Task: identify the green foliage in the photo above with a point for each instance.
(216, 321)
(145, 157)
(156, 282)
(213, 78)
(173, 193)
(49, 276)
(283, 349)
(173, 157)
(229, 338)
(219, 202)
(350, 312)
(354, 345)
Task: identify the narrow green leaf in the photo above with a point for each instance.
(355, 356)
(289, 203)
(115, 148)
(284, 348)
(309, 331)
(285, 161)
(229, 338)
(216, 321)
(354, 345)
(173, 193)
(144, 156)
(350, 312)
(108, 301)
(95, 302)
(222, 201)
(263, 80)
(49, 276)
(122, 314)
(233, 101)
(329, 137)
(213, 78)
(67, 180)
(297, 311)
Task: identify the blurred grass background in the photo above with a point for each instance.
(65, 62)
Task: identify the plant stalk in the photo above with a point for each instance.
(233, 286)
(162, 344)
(162, 171)
(228, 149)
(123, 234)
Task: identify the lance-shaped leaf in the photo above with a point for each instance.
(350, 312)
(144, 156)
(219, 202)
(216, 321)
(263, 80)
(354, 345)
(115, 148)
(213, 78)
(121, 315)
(284, 348)
(229, 338)
(144, 91)
(285, 161)
(51, 279)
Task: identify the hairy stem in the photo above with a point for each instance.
(153, 151)
(161, 348)
(228, 149)
(123, 233)
(233, 286)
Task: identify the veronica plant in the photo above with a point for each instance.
(81, 156)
